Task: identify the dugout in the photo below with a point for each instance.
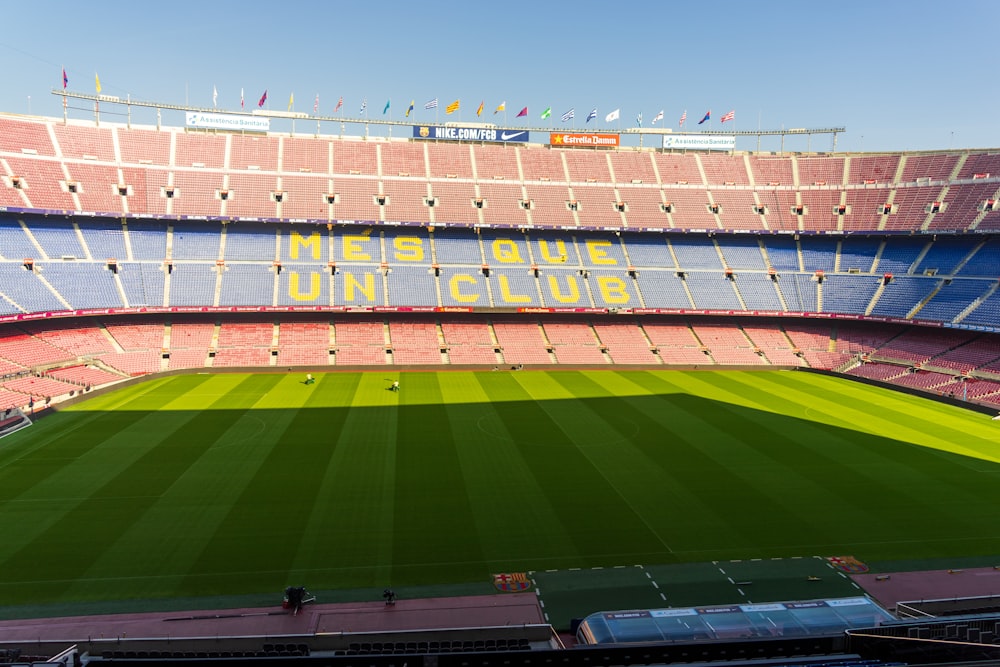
(775, 620)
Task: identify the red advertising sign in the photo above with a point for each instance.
(570, 140)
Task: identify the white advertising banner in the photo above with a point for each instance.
(699, 142)
(219, 121)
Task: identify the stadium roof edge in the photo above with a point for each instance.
(546, 130)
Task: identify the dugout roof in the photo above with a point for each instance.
(738, 621)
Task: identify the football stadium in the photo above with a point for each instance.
(486, 394)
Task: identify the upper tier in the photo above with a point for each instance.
(47, 165)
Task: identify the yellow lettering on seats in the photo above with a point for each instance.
(505, 294)
(295, 292)
(313, 242)
(351, 283)
(456, 292)
(408, 248)
(574, 290)
(613, 289)
(506, 251)
(353, 250)
(560, 255)
(598, 254)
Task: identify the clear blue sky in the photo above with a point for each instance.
(906, 75)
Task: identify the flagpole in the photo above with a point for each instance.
(65, 109)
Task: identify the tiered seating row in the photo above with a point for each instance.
(945, 279)
(915, 357)
(120, 171)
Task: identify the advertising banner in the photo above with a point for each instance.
(219, 121)
(590, 140)
(450, 133)
(699, 142)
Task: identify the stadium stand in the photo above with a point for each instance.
(574, 342)
(647, 242)
(521, 341)
(245, 343)
(415, 342)
(304, 343)
(360, 341)
(128, 251)
(469, 341)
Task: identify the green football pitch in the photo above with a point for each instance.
(221, 484)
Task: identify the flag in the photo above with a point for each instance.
(409, 108)
(502, 107)
(522, 112)
(386, 108)
(364, 105)
(684, 117)
(340, 103)
(453, 107)
(657, 117)
(215, 96)
(546, 113)
(65, 79)
(241, 99)
(638, 119)
(613, 116)
(568, 115)
(291, 101)
(97, 83)
(479, 111)
(432, 104)
(316, 104)
(729, 116)
(592, 115)
(263, 98)
(708, 116)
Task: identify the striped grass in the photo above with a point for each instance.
(199, 485)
